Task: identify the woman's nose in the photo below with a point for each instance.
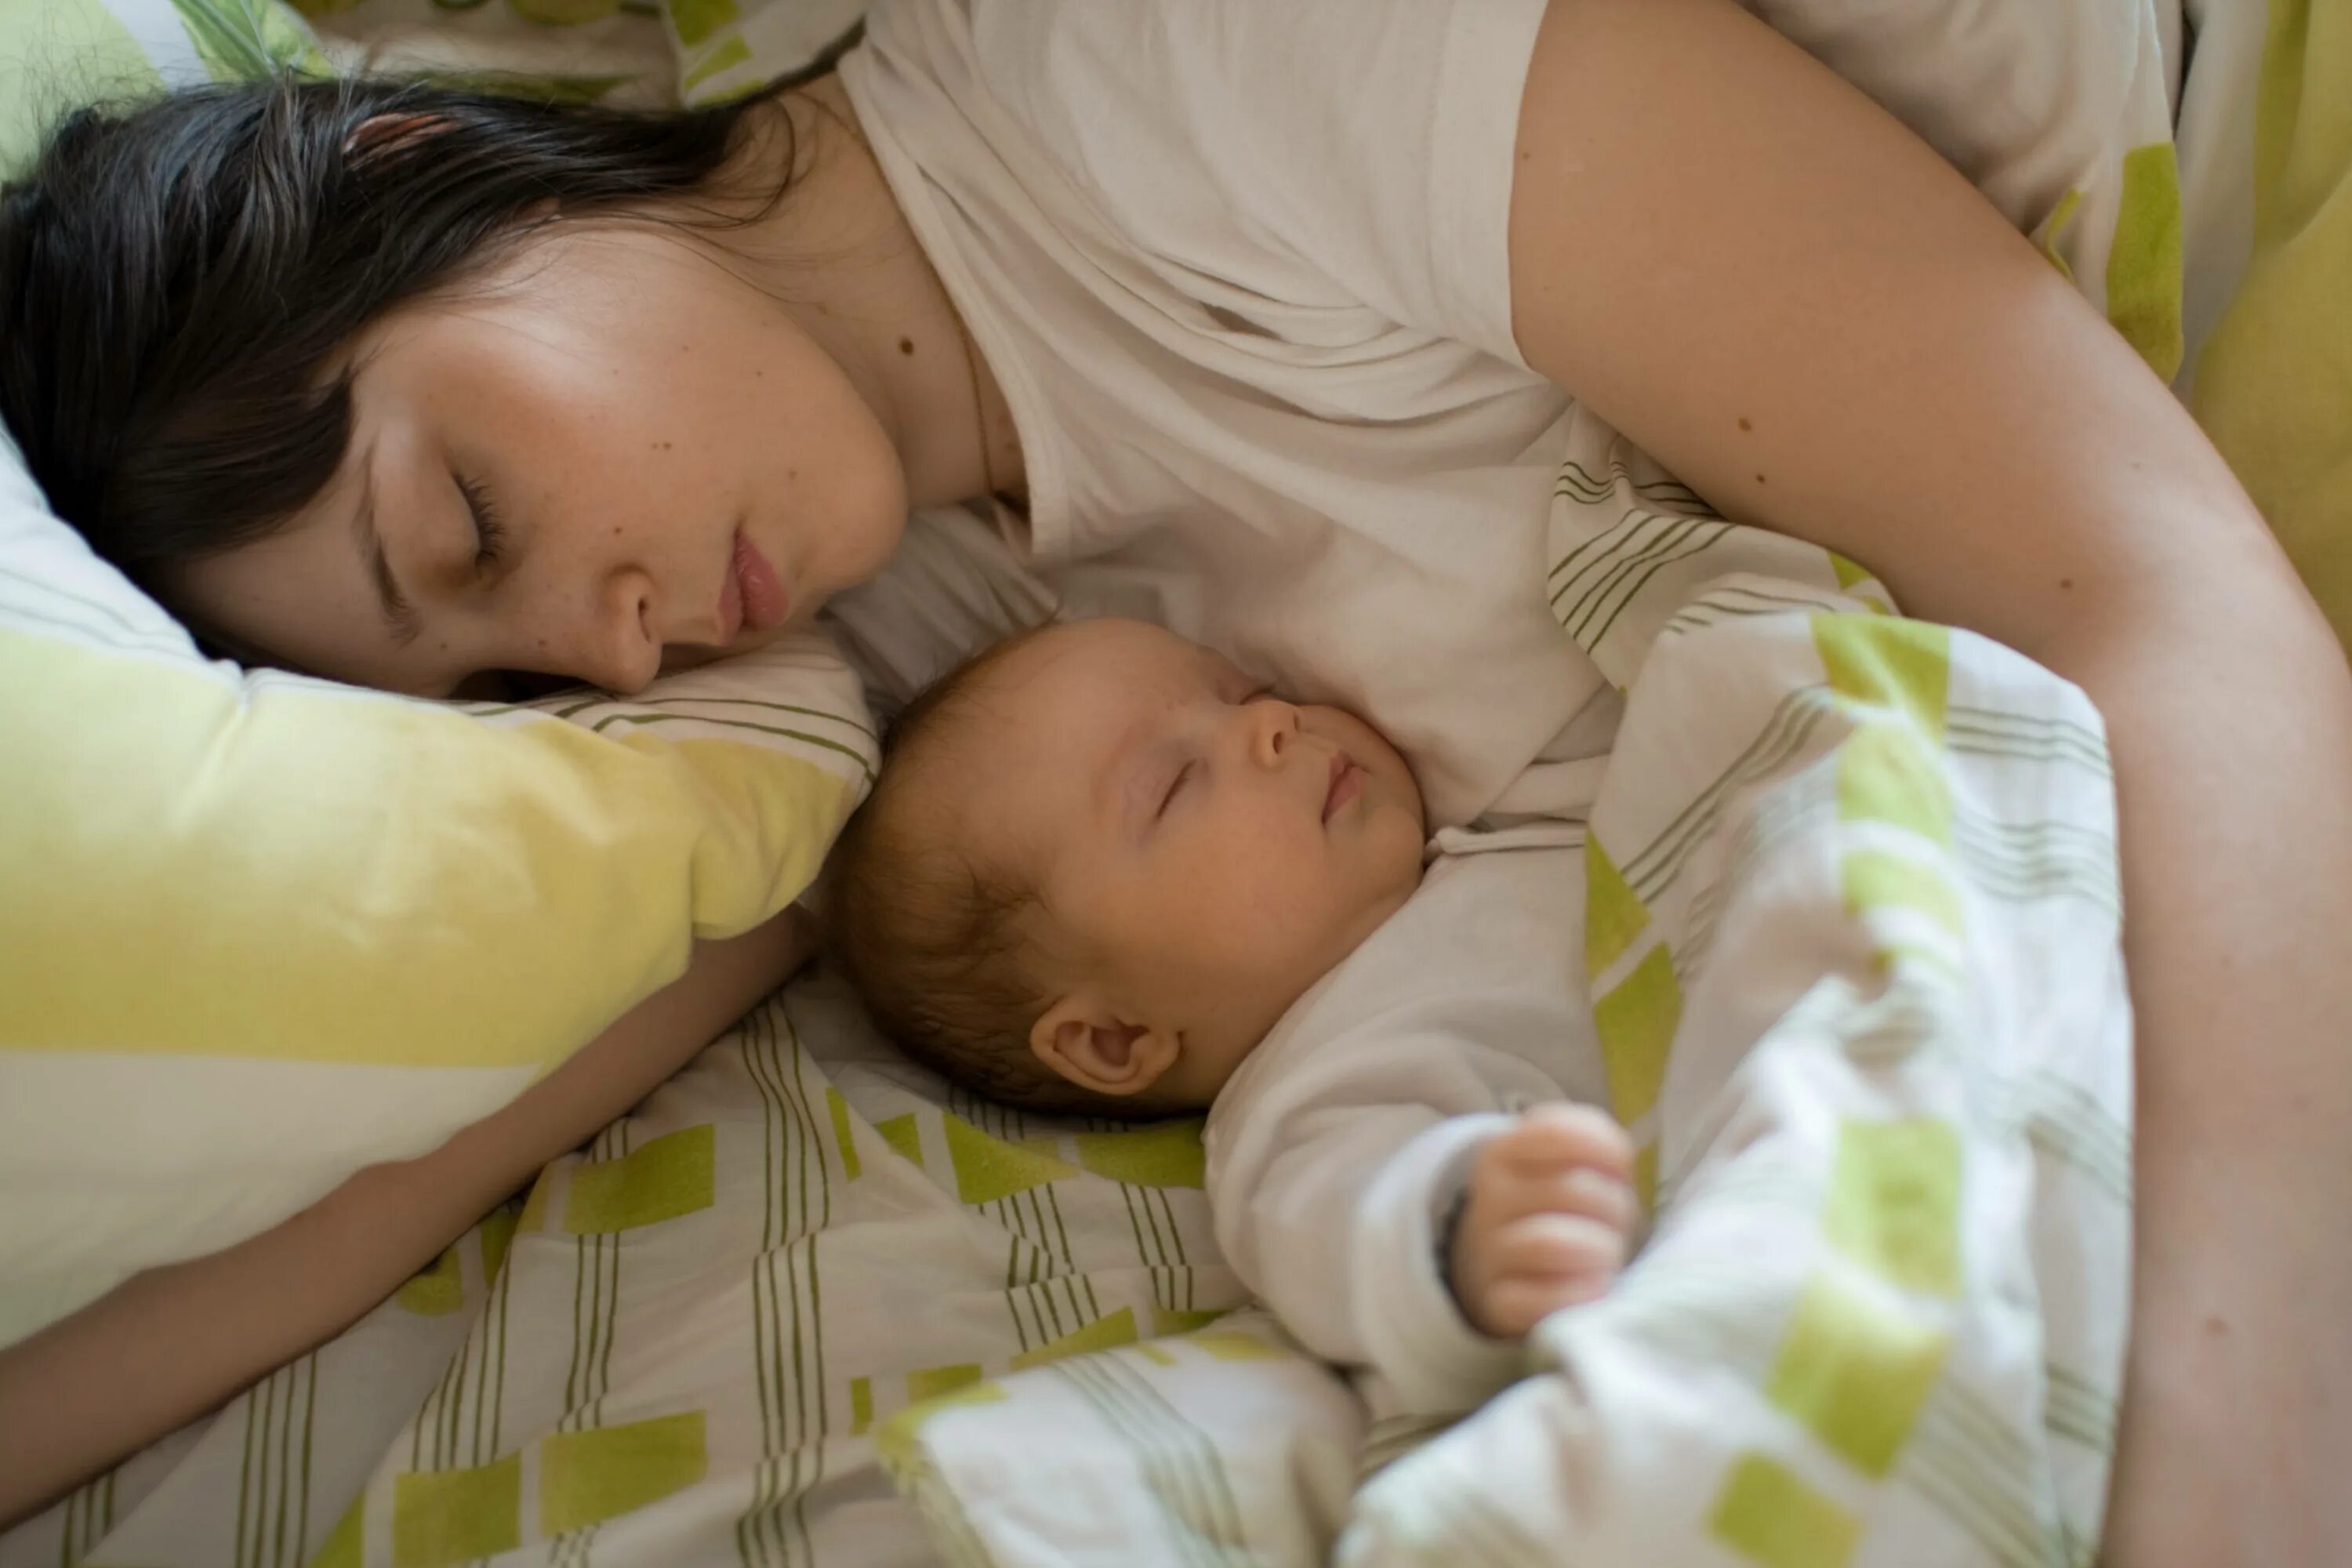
(626, 652)
(1273, 725)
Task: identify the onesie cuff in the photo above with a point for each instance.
(1414, 1334)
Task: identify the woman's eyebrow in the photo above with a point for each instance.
(399, 614)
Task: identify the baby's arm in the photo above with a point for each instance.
(1545, 1218)
(1333, 1207)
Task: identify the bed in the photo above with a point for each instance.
(716, 1333)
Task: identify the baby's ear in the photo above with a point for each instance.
(1084, 1041)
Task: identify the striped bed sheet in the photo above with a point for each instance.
(686, 1343)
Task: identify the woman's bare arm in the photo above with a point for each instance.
(172, 1343)
(1750, 269)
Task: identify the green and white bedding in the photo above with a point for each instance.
(1853, 929)
(603, 51)
(689, 1343)
(56, 54)
(806, 1307)
(2266, 169)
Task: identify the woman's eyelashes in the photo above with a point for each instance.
(489, 529)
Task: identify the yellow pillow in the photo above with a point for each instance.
(260, 930)
(2273, 383)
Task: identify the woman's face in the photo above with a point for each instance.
(611, 455)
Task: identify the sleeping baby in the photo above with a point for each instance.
(1107, 873)
(1824, 905)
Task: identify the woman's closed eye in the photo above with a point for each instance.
(489, 529)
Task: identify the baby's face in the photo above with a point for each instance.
(1210, 849)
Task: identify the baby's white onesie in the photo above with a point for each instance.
(1338, 1148)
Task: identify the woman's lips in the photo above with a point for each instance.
(730, 600)
(753, 599)
(1347, 783)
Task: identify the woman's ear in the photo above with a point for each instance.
(1085, 1041)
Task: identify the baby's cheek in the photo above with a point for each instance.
(1299, 904)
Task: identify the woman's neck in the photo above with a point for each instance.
(837, 254)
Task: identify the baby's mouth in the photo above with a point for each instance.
(1347, 783)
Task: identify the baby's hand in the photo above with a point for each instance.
(1545, 1226)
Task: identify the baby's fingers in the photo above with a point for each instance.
(1549, 1138)
(1543, 1263)
(1560, 1246)
(1564, 1159)
(1579, 1190)
(1516, 1306)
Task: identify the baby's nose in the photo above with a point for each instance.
(1273, 725)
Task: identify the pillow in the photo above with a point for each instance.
(728, 47)
(262, 930)
(58, 54)
(592, 51)
(2266, 148)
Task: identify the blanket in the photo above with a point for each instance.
(1852, 932)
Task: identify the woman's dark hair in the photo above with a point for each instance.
(176, 279)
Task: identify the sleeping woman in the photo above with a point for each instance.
(418, 390)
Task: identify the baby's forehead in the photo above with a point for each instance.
(1069, 700)
(1072, 699)
(1116, 658)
